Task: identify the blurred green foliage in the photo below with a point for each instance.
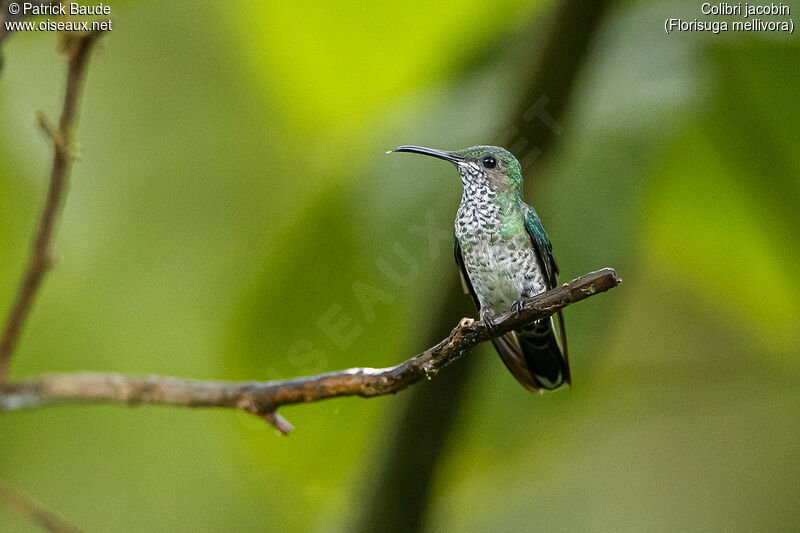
(232, 195)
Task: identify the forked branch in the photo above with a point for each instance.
(258, 398)
(263, 398)
(77, 48)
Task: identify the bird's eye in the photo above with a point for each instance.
(489, 162)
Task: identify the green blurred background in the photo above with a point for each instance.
(232, 193)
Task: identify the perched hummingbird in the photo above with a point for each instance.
(505, 257)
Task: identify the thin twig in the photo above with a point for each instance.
(59, 143)
(263, 398)
(33, 511)
(77, 49)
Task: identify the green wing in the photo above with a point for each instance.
(544, 250)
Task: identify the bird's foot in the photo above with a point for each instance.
(517, 307)
(488, 317)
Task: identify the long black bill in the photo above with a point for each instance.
(441, 154)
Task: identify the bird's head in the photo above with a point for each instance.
(479, 165)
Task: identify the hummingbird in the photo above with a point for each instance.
(505, 256)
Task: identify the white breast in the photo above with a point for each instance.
(501, 270)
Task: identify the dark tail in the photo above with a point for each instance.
(534, 355)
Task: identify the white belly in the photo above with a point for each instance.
(502, 271)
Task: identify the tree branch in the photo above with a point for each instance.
(33, 511)
(263, 398)
(77, 48)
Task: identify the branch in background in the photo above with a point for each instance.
(569, 40)
(33, 511)
(398, 481)
(400, 493)
(77, 48)
(263, 398)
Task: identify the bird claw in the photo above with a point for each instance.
(517, 307)
(488, 320)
